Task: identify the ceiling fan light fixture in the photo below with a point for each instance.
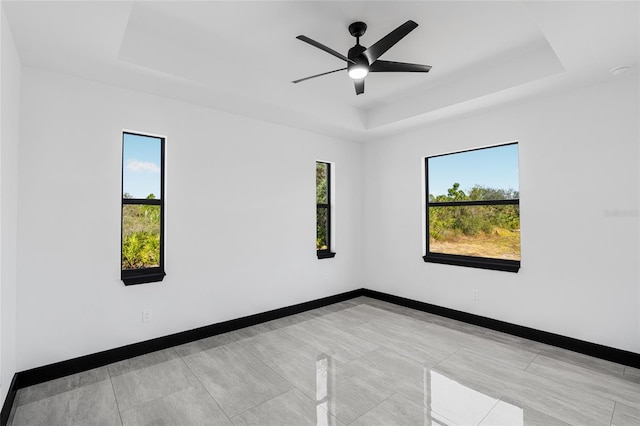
(358, 72)
(360, 66)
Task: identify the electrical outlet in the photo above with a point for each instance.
(146, 315)
(476, 295)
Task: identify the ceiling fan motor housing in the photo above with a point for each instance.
(355, 54)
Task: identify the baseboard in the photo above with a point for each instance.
(608, 353)
(100, 359)
(76, 365)
(8, 401)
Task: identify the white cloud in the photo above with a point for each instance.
(142, 166)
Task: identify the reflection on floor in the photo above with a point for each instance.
(360, 362)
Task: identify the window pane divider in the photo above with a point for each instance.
(513, 201)
(149, 202)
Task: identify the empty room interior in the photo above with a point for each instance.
(468, 170)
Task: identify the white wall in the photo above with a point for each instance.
(240, 218)
(578, 160)
(9, 131)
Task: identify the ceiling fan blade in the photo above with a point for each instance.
(318, 75)
(323, 47)
(385, 43)
(359, 86)
(390, 66)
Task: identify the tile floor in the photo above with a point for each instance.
(359, 362)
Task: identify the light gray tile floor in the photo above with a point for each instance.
(359, 362)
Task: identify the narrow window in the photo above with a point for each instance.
(323, 210)
(142, 240)
(473, 208)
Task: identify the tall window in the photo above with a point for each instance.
(473, 208)
(142, 259)
(323, 210)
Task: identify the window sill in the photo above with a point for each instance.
(142, 277)
(325, 254)
(473, 262)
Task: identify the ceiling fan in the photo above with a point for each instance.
(361, 60)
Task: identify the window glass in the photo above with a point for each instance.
(321, 182)
(487, 231)
(323, 210)
(142, 242)
(141, 166)
(483, 174)
(140, 236)
(322, 229)
(473, 208)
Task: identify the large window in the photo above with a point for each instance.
(323, 210)
(473, 208)
(142, 241)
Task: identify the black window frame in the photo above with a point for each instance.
(144, 275)
(326, 253)
(462, 260)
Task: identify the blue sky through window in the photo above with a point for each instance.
(141, 166)
(494, 167)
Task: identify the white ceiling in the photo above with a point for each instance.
(241, 56)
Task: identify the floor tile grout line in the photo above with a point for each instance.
(275, 352)
(613, 412)
(166, 350)
(275, 372)
(204, 387)
(557, 382)
(324, 349)
(308, 344)
(591, 391)
(17, 401)
(445, 358)
(17, 404)
(153, 399)
(372, 408)
(531, 362)
(264, 402)
(392, 349)
(496, 360)
(630, 376)
(491, 409)
(265, 365)
(280, 394)
(489, 357)
(559, 354)
(365, 338)
(294, 387)
(115, 398)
